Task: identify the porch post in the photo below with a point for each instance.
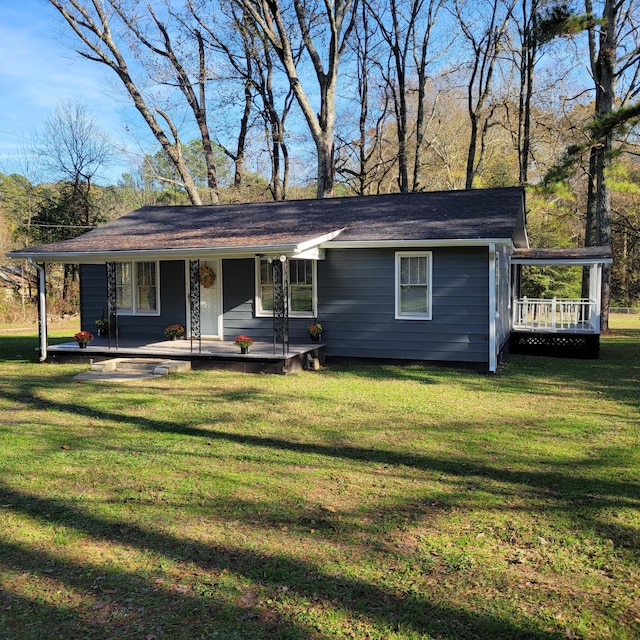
(112, 303)
(595, 294)
(194, 303)
(280, 268)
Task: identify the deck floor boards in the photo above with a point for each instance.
(262, 356)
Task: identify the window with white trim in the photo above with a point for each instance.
(137, 290)
(413, 285)
(302, 288)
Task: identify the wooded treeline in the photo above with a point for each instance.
(241, 97)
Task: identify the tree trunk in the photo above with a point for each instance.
(201, 118)
(528, 56)
(471, 152)
(324, 140)
(339, 18)
(603, 62)
(326, 166)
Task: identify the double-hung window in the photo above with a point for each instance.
(413, 285)
(137, 290)
(302, 288)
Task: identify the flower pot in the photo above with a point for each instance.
(174, 337)
(244, 349)
(82, 345)
(315, 337)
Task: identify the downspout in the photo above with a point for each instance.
(42, 310)
(493, 356)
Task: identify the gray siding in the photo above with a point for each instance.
(93, 301)
(356, 291)
(239, 300)
(356, 305)
(93, 295)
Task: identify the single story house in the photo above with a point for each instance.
(400, 277)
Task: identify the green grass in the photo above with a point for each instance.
(356, 502)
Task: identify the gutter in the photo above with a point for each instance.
(100, 257)
(290, 250)
(425, 242)
(42, 310)
(493, 306)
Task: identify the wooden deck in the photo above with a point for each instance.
(262, 357)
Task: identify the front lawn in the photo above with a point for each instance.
(355, 502)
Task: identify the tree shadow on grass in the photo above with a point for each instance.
(567, 487)
(103, 603)
(412, 613)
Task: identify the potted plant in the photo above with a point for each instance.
(83, 338)
(102, 325)
(315, 331)
(174, 331)
(244, 342)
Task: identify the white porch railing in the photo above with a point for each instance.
(556, 315)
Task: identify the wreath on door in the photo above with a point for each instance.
(207, 276)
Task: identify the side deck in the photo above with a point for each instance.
(560, 327)
(261, 358)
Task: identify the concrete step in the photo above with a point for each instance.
(134, 368)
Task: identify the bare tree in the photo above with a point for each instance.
(422, 62)
(322, 30)
(525, 21)
(406, 28)
(360, 157)
(483, 27)
(74, 148)
(251, 59)
(96, 25)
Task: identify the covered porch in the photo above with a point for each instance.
(274, 350)
(558, 326)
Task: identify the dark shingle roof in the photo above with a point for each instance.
(452, 215)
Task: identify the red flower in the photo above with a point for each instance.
(83, 336)
(174, 330)
(243, 341)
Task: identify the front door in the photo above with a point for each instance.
(210, 302)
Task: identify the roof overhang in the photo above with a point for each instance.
(100, 257)
(313, 249)
(308, 249)
(578, 256)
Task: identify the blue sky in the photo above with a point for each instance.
(38, 70)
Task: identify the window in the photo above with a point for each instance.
(302, 288)
(137, 288)
(413, 285)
